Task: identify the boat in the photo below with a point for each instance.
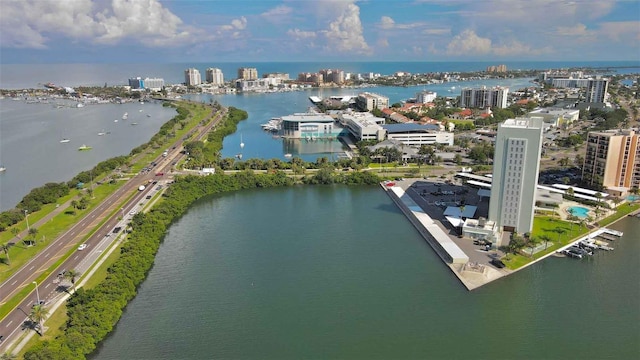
(101, 133)
(134, 123)
(80, 105)
(125, 116)
(239, 156)
(64, 141)
(241, 143)
(272, 125)
(84, 147)
(148, 115)
(2, 168)
(116, 120)
(287, 155)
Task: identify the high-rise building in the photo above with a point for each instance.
(247, 73)
(516, 162)
(155, 84)
(612, 159)
(597, 90)
(214, 76)
(483, 97)
(136, 83)
(192, 77)
(424, 97)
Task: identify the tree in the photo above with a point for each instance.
(33, 231)
(15, 231)
(546, 239)
(38, 314)
(570, 192)
(72, 276)
(5, 248)
(74, 204)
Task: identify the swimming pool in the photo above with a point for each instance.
(633, 197)
(578, 211)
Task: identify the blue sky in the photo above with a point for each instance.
(89, 31)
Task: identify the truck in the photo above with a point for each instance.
(141, 188)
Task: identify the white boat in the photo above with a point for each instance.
(101, 133)
(116, 120)
(64, 141)
(287, 155)
(239, 156)
(2, 168)
(80, 105)
(125, 116)
(241, 143)
(134, 123)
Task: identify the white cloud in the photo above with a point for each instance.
(345, 33)
(516, 48)
(576, 30)
(299, 34)
(387, 22)
(468, 43)
(32, 23)
(619, 30)
(277, 12)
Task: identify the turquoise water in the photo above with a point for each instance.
(633, 197)
(337, 272)
(579, 211)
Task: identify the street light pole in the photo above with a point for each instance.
(27, 219)
(37, 293)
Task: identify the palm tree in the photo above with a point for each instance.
(38, 314)
(72, 275)
(5, 249)
(33, 231)
(546, 240)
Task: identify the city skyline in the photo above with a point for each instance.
(103, 31)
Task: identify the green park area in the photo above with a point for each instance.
(552, 233)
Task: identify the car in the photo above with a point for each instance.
(117, 229)
(132, 212)
(82, 247)
(497, 263)
(148, 197)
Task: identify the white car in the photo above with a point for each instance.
(132, 212)
(82, 247)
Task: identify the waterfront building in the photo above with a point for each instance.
(277, 75)
(612, 160)
(516, 163)
(484, 97)
(247, 73)
(597, 90)
(363, 125)
(368, 101)
(569, 82)
(424, 97)
(214, 76)
(136, 83)
(497, 68)
(309, 126)
(257, 85)
(556, 117)
(192, 77)
(154, 84)
(416, 135)
(315, 78)
(335, 76)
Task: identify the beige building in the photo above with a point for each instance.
(247, 73)
(612, 159)
(368, 101)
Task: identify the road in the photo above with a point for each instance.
(16, 322)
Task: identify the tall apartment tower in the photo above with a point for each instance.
(247, 74)
(214, 76)
(515, 174)
(612, 159)
(484, 97)
(192, 77)
(597, 90)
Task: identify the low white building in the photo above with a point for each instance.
(480, 229)
(556, 117)
(414, 134)
(258, 85)
(309, 126)
(363, 125)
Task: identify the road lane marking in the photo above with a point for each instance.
(46, 286)
(14, 282)
(9, 323)
(31, 268)
(47, 255)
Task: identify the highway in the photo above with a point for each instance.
(16, 322)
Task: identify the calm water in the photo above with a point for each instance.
(235, 279)
(30, 137)
(262, 107)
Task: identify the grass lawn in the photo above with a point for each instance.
(560, 233)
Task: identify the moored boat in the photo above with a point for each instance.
(64, 141)
(84, 147)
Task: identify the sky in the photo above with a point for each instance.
(165, 31)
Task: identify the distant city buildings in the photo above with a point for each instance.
(612, 160)
(484, 97)
(136, 83)
(257, 85)
(516, 164)
(335, 76)
(497, 68)
(214, 76)
(556, 117)
(154, 84)
(597, 90)
(368, 101)
(276, 75)
(192, 77)
(247, 73)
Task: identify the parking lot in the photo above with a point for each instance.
(434, 195)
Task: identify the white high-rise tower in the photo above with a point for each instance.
(516, 163)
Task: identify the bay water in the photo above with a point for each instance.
(336, 272)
